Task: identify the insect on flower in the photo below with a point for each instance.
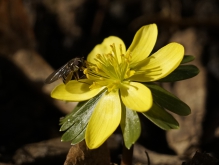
(67, 71)
(118, 87)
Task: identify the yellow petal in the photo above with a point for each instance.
(61, 93)
(137, 97)
(143, 43)
(78, 87)
(104, 120)
(160, 64)
(104, 48)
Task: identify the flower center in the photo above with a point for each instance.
(110, 69)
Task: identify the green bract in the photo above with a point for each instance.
(76, 122)
(130, 125)
(161, 118)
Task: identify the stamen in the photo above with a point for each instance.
(114, 51)
(108, 70)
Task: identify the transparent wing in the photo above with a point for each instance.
(68, 78)
(56, 74)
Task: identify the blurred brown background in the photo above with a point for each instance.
(38, 36)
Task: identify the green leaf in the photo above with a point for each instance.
(74, 134)
(67, 121)
(187, 58)
(130, 125)
(76, 122)
(79, 137)
(181, 73)
(161, 118)
(168, 100)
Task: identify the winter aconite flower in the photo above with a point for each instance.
(119, 72)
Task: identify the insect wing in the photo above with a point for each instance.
(56, 74)
(68, 78)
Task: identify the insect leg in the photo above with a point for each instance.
(76, 76)
(64, 79)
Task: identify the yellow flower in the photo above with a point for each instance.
(118, 71)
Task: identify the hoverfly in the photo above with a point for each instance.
(67, 71)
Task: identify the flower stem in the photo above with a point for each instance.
(127, 155)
